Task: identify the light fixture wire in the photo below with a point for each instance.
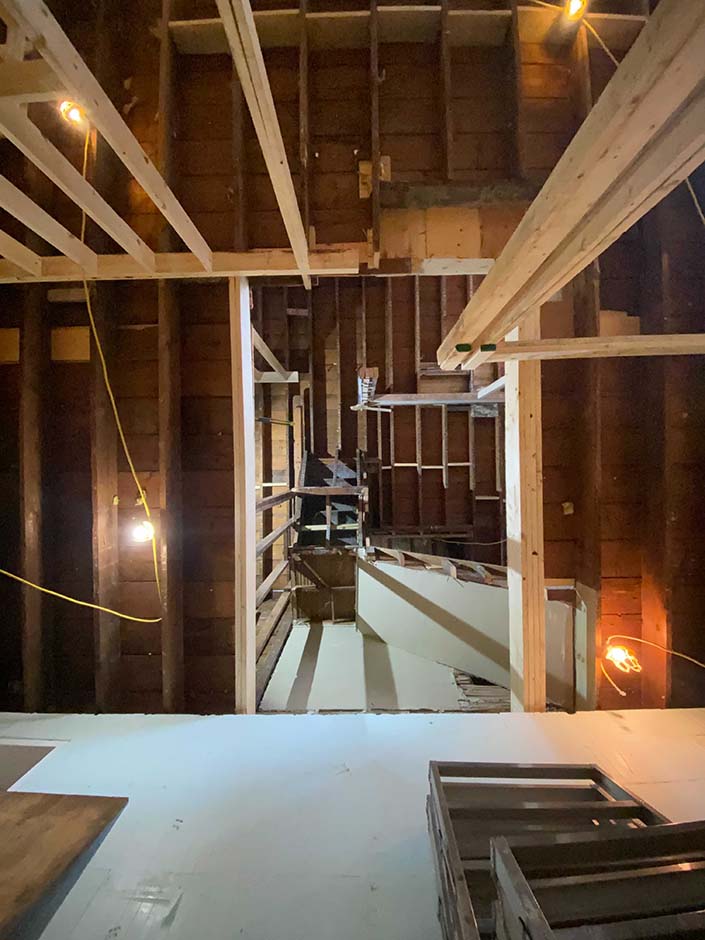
(638, 639)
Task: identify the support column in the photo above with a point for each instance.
(525, 558)
(245, 494)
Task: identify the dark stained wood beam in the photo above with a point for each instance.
(34, 357)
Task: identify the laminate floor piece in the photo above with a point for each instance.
(41, 836)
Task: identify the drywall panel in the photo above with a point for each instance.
(458, 623)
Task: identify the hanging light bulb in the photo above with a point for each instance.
(575, 9)
(143, 531)
(72, 113)
(623, 658)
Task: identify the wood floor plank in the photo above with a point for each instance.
(41, 835)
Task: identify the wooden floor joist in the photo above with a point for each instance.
(644, 136)
(245, 495)
(17, 204)
(44, 32)
(240, 29)
(18, 129)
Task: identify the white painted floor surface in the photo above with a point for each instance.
(334, 667)
(305, 827)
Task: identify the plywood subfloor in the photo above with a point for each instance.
(334, 667)
(307, 827)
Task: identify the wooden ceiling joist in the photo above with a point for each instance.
(241, 32)
(18, 128)
(643, 137)
(18, 254)
(46, 35)
(601, 347)
(278, 262)
(15, 202)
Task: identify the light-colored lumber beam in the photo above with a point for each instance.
(268, 622)
(267, 354)
(265, 588)
(245, 495)
(44, 32)
(274, 378)
(525, 550)
(241, 32)
(19, 255)
(271, 538)
(26, 211)
(642, 138)
(29, 81)
(601, 347)
(435, 398)
(274, 262)
(487, 391)
(17, 127)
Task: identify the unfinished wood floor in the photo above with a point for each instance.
(306, 827)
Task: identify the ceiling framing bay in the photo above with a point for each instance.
(644, 136)
(33, 19)
(239, 24)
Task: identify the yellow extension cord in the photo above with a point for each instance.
(126, 450)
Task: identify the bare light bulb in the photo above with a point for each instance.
(621, 657)
(143, 532)
(574, 9)
(71, 113)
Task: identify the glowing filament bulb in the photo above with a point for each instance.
(143, 532)
(71, 112)
(574, 9)
(623, 658)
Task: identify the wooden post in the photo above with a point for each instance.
(170, 499)
(525, 564)
(33, 359)
(245, 494)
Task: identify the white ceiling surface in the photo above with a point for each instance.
(335, 667)
(306, 827)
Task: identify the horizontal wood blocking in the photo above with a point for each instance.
(258, 263)
(680, 344)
